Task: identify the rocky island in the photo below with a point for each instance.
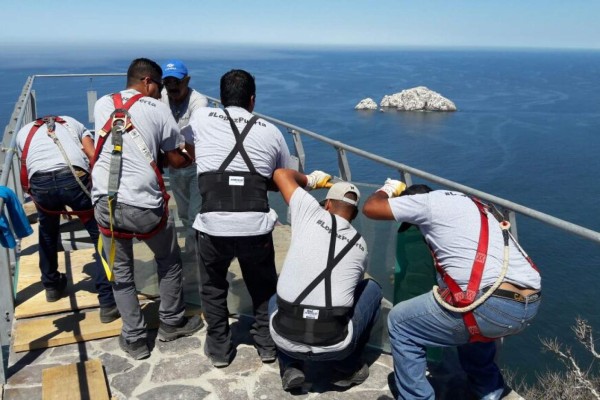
(418, 98)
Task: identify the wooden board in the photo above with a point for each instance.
(31, 298)
(78, 381)
(58, 330)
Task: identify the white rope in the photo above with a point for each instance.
(504, 226)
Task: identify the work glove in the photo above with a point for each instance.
(393, 187)
(318, 180)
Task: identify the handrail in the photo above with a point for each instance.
(509, 205)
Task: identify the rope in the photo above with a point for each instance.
(504, 225)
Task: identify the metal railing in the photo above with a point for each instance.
(25, 112)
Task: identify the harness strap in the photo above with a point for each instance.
(466, 298)
(332, 261)
(118, 124)
(239, 146)
(50, 122)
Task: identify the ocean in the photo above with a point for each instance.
(526, 129)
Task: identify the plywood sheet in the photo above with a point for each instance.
(58, 330)
(78, 381)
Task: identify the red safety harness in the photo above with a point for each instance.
(84, 215)
(120, 119)
(454, 296)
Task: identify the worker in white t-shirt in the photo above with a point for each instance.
(236, 153)
(324, 309)
(130, 201)
(183, 100)
(489, 288)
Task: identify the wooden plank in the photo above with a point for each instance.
(81, 291)
(77, 381)
(58, 330)
(31, 298)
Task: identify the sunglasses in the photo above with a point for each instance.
(172, 81)
(158, 83)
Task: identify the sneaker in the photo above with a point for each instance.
(137, 349)
(54, 293)
(109, 314)
(356, 378)
(187, 327)
(292, 378)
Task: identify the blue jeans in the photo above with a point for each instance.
(184, 184)
(421, 321)
(53, 191)
(367, 303)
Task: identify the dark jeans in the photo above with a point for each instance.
(256, 256)
(53, 191)
(365, 312)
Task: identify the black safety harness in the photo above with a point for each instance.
(312, 325)
(234, 191)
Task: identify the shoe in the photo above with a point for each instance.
(292, 378)
(109, 314)
(356, 378)
(267, 356)
(137, 349)
(218, 361)
(54, 293)
(187, 327)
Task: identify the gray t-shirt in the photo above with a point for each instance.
(157, 127)
(450, 222)
(44, 154)
(213, 139)
(307, 258)
(183, 112)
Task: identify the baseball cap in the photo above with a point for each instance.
(339, 190)
(175, 69)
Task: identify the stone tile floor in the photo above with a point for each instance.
(180, 370)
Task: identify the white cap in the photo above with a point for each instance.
(339, 190)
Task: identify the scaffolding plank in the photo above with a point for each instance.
(58, 330)
(77, 381)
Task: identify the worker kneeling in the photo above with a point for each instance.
(324, 309)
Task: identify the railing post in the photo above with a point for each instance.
(406, 178)
(343, 164)
(7, 307)
(299, 148)
(512, 218)
(92, 97)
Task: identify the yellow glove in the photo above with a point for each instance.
(318, 180)
(393, 187)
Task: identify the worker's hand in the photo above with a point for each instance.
(318, 180)
(393, 187)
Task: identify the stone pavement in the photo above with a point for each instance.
(180, 370)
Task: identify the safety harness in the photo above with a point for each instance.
(50, 122)
(312, 325)
(234, 191)
(453, 298)
(117, 125)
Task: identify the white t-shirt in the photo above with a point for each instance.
(307, 258)
(153, 120)
(44, 154)
(450, 223)
(183, 112)
(210, 131)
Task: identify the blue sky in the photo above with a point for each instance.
(445, 23)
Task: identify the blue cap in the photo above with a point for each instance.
(174, 68)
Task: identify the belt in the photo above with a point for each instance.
(59, 172)
(508, 294)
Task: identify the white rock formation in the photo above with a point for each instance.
(366, 104)
(418, 98)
